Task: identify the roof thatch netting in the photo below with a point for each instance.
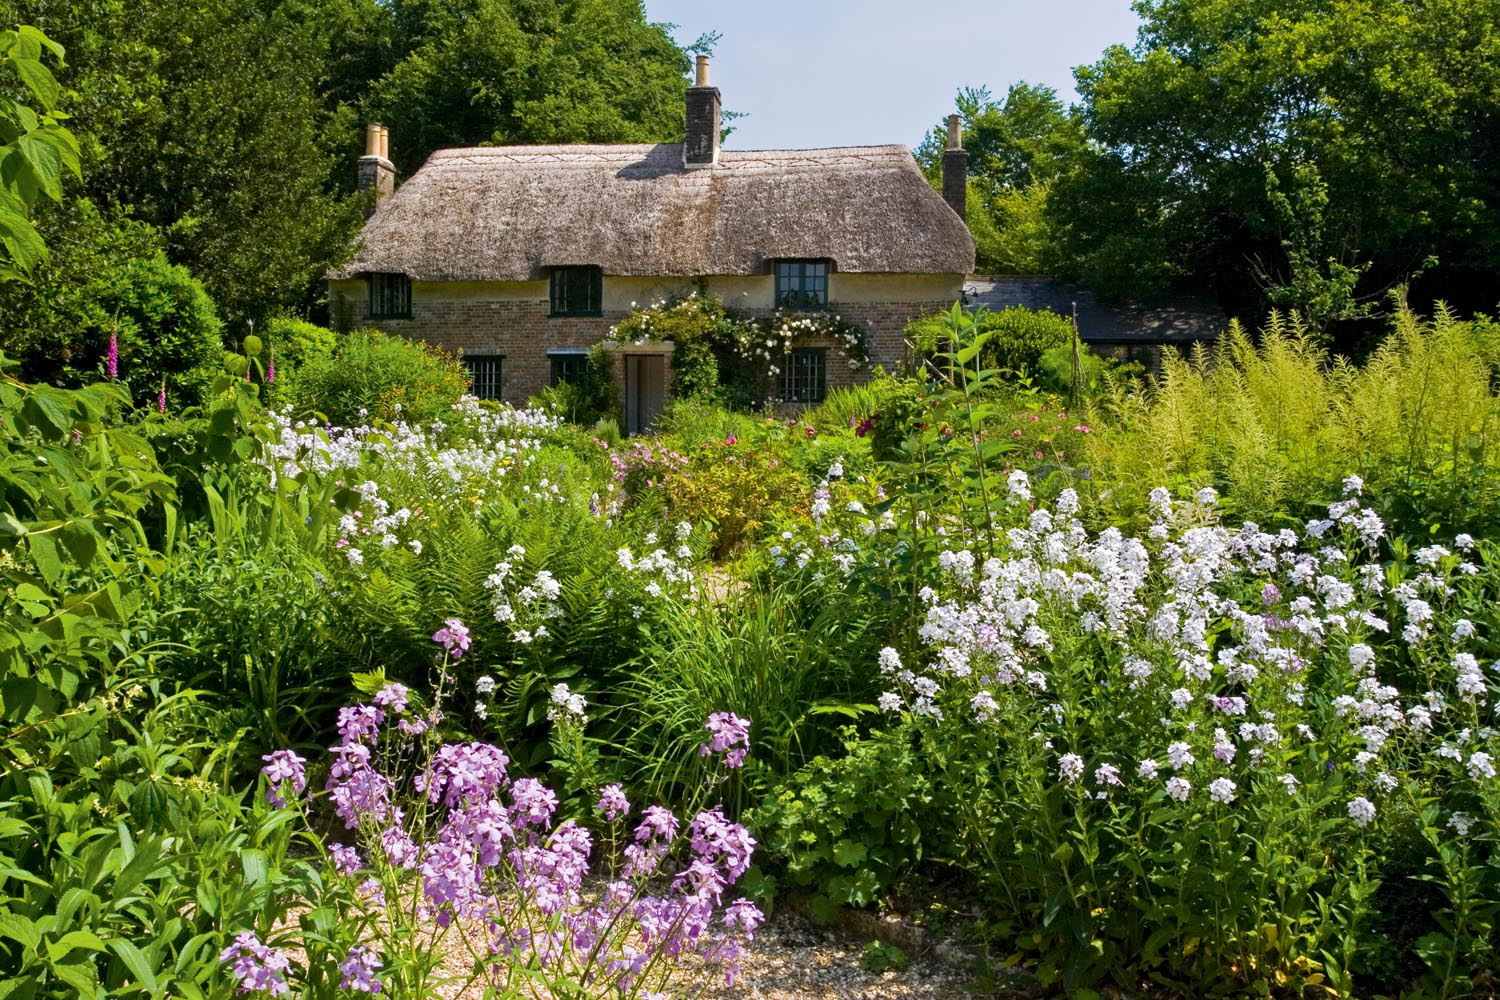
(504, 213)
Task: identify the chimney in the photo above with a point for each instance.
(375, 168)
(702, 146)
(956, 171)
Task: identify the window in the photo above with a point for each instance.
(567, 366)
(805, 377)
(577, 291)
(390, 296)
(484, 374)
(801, 284)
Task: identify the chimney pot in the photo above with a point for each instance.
(701, 77)
(376, 171)
(955, 132)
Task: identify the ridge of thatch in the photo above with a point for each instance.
(504, 213)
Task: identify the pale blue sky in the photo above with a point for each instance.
(863, 72)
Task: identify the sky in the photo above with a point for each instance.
(812, 73)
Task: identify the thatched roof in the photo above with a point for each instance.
(1179, 316)
(503, 213)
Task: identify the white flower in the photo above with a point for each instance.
(1221, 790)
(1019, 484)
(1461, 822)
(1178, 788)
(415, 545)
(1180, 755)
(890, 702)
(890, 660)
(1070, 767)
(1107, 774)
(1481, 765)
(1147, 769)
(1353, 486)
(1362, 811)
(1291, 783)
(484, 684)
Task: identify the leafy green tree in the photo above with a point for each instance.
(1325, 150)
(1017, 147)
(36, 149)
(475, 72)
(210, 122)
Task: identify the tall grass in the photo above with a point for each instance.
(1276, 425)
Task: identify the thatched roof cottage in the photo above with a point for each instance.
(523, 257)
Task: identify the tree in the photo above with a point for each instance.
(477, 72)
(36, 150)
(209, 121)
(1017, 148)
(1329, 147)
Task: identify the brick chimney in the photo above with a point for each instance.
(702, 146)
(375, 168)
(956, 171)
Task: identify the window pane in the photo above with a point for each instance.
(484, 375)
(567, 367)
(805, 378)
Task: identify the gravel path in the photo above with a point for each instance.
(793, 959)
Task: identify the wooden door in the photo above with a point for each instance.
(645, 391)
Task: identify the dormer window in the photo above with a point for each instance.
(577, 291)
(390, 296)
(801, 284)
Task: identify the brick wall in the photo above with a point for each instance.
(522, 332)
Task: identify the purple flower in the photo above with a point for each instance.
(359, 970)
(256, 966)
(358, 792)
(613, 803)
(462, 773)
(346, 859)
(1270, 594)
(271, 368)
(161, 398)
(283, 766)
(743, 917)
(533, 803)
(727, 732)
(392, 698)
(112, 357)
(356, 722)
(453, 637)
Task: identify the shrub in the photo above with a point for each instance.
(1275, 424)
(719, 354)
(294, 345)
(594, 397)
(1015, 339)
(843, 831)
(374, 376)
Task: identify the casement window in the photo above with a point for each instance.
(804, 379)
(567, 366)
(801, 284)
(577, 291)
(484, 374)
(390, 296)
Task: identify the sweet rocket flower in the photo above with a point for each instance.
(1221, 790)
(613, 803)
(1018, 484)
(258, 968)
(1147, 769)
(565, 706)
(1107, 774)
(392, 698)
(533, 803)
(453, 637)
(1362, 811)
(1481, 765)
(359, 970)
(346, 859)
(1178, 788)
(283, 767)
(728, 732)
(1070, 767)
(462, 773)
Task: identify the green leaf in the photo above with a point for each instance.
(9, 526)
(136, 962)
(849, 853)
(21, 930)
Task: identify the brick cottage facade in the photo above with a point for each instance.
(523, 258)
